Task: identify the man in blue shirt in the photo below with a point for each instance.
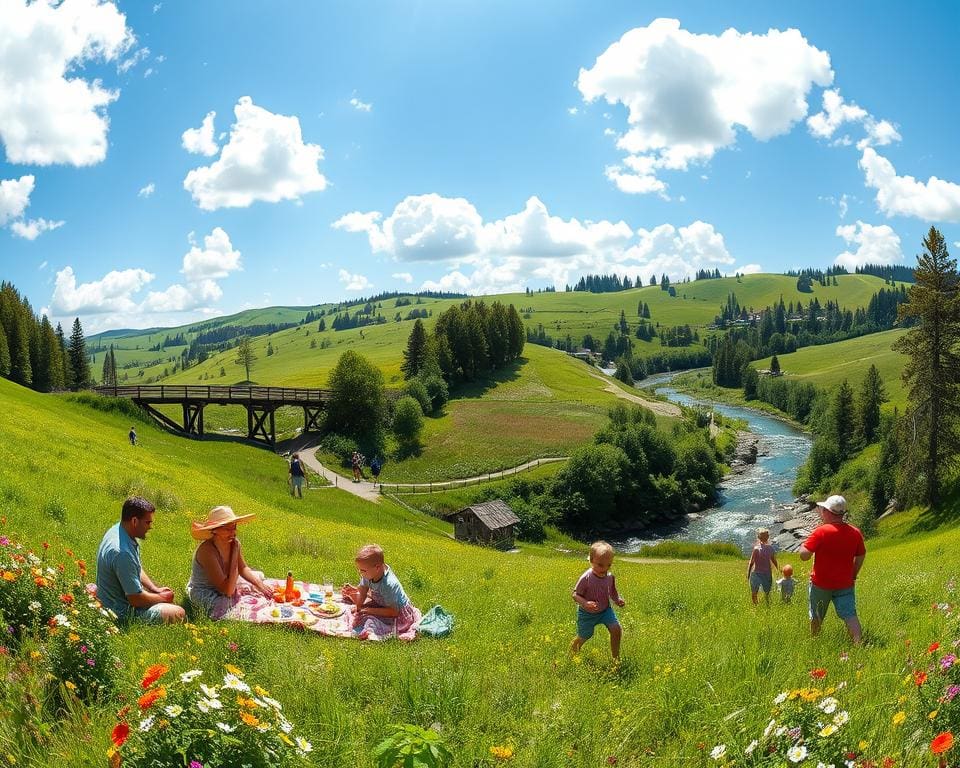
(122, 584)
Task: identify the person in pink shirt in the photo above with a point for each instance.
(593, 594)
(760, 568)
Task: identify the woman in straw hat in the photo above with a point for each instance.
(220, 575)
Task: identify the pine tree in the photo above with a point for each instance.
(245, 355)
(932, 372)
(413, 355)
(67, 369)
(4, 355)
(774, 366)
(872, 396)
(77, 351)
(842, 419)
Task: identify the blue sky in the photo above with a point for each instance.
(477, 147)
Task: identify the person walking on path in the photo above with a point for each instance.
(123, 585)
(838, 551)
(356, 461)
(298, 476)
(133, 436)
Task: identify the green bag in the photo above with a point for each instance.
(436, 623)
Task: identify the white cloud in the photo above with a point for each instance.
(404, 277)
(214, 261)
(49, 113)
(14, 198)
(112, 293)
(360, 106)
(874, 245)
(687, 94)
(530, 246)
(32, 229)
(131, 61)
(199, 141)
(43, 266)
(933, 200)
(354, 282)
(265, 159)
(572, 110)
(748, 269)
(836, 112)
(148, 190)
(843, 205)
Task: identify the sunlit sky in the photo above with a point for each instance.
(169, 161)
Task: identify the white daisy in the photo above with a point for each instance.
(34, 606)
(782, 697)
(841, 718)
(189, 677)
(211, 692)
(769, 729)
(285, 725)
(828, 705)
(718, 751)
(750, 747)
(226, 728)
(234, 683)
(797, 754)
(174, 710)
(146, 724)
(303, 745)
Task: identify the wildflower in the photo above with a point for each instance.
(8, 576)
(947, 661)
(195, 764)
(211, 692)
(782, 697)
(146, 724)
(36, 655)
(285, 725)
(797, 753)
(611, 760)
(828, 730)
(502, 753)
(818, 674)
(286, 739)
(119, 734)
(66, 599)
(73, 637)
(234, 683)
(841, 718)
(4, 541)
(150, 698)
(952, 691)
(844, 656)
(70, 685)
(173, 710)
(933, 647)
(748, 750)
(34, 606)
(828, 705)
(942, 743)
(153, 673)
(249, 719)
(899, 718)
(233, 670)
(226, 728)
(303, 745)
(769, 729)
(189, 677)
(933, 715)
(718, 751)
(919, 678)
(202, 705)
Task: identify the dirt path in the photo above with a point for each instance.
(371, 491)
(657, 406)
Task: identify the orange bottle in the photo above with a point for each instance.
(289, 593)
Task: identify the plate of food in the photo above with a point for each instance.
(326, 610)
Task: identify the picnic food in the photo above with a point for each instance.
(289, 591)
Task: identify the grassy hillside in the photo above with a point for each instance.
(700, 666)
(826, 366)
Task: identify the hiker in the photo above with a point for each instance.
(759, 572)
(356, 461)
(382, 608)
(123, 586)
(219, 575)
(298, 476)
(375, 466)
(133, 436)
(595, 589)
(838, 551)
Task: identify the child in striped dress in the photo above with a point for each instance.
(595, 590)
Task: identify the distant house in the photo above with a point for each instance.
(490, 523)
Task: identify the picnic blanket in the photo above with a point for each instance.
(248, 605)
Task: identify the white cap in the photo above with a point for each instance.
(836, 504)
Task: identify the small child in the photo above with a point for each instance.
(759, 573)
(786, 583)
(382, 608)
(593, 593)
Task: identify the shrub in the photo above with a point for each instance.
(340, 446)
(358, 406)
(407, 421)
(410, 746)
(437, 389)
(418, 391)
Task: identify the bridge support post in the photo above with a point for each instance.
(311, 418)
(193, 418)
(258, 417)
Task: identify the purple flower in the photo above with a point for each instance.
(4, 541)
(90, 662)
(952, 691)
(795, 733)
(83, 649)
(195, 764)
(947, 661)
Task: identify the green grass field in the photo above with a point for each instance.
(700, 665)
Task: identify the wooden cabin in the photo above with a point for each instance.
(490, 524)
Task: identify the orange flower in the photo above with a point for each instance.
(933, 647)
(153, 673)
(818, 674)
(249, 719)
(9, 576)
(119, 734)
(919, 678)
(40, 581)
(150, 697)
(67, 599)
(942, 743)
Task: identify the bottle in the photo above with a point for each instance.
(288, 594)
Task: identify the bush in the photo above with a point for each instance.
(533, 520)
(418, 391)
(358, 405)
(438, 390)
(341, 447)
(407, 422)
(410, 746)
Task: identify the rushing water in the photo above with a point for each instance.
(748, 500)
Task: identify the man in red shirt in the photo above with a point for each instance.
(840, 552)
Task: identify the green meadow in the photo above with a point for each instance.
(700, 665)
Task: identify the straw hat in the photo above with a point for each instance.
(218, 516)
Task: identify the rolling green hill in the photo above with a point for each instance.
(701, 667)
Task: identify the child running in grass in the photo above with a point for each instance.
(593, 593)
(786, 583)
(759, 572)
(382, 608)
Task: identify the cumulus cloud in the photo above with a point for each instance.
(354, 282)
(836, 112)
(148, 190)
(200, 141)
(687, 95)
(403, 277)
(360, 106)
(265, 159)
(530, 246)
(874, 245)
(933, 200)
(112, 293)
(49, 112)
(14, 199)
(31, 229)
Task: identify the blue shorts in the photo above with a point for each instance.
(150, 615)
(297, 481)
(760, 581)
(844, 602)
(587, 622)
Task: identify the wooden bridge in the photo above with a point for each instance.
(261, 404)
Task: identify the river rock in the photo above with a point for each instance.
(794, 524)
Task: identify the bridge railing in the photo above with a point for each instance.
(179, 392)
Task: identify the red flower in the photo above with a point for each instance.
(942, 743)
(46, 545)
(119, 734)
(611, 760)
(818, 674)
(148, 699)
(66, 599)
(933, 647)
(153, 673)
(888, 762)
(919, 678)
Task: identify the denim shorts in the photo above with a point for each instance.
(844, 602)
(760, 581)
(587, 622)
(152, 614)
(297, 481)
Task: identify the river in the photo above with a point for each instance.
(748, 500)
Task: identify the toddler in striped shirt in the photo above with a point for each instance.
(593, 594)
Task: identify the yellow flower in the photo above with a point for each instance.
(502, 753)
(249, 719)
(70, 685)
(863, 745)
(286, 739)
(899, 718)
(35, 655)
(73, 637)
(233, 670)
(933, 715)
(902, 699)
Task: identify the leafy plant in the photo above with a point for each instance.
(410, 746)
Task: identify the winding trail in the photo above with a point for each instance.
(657, 406)
(371, 491)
